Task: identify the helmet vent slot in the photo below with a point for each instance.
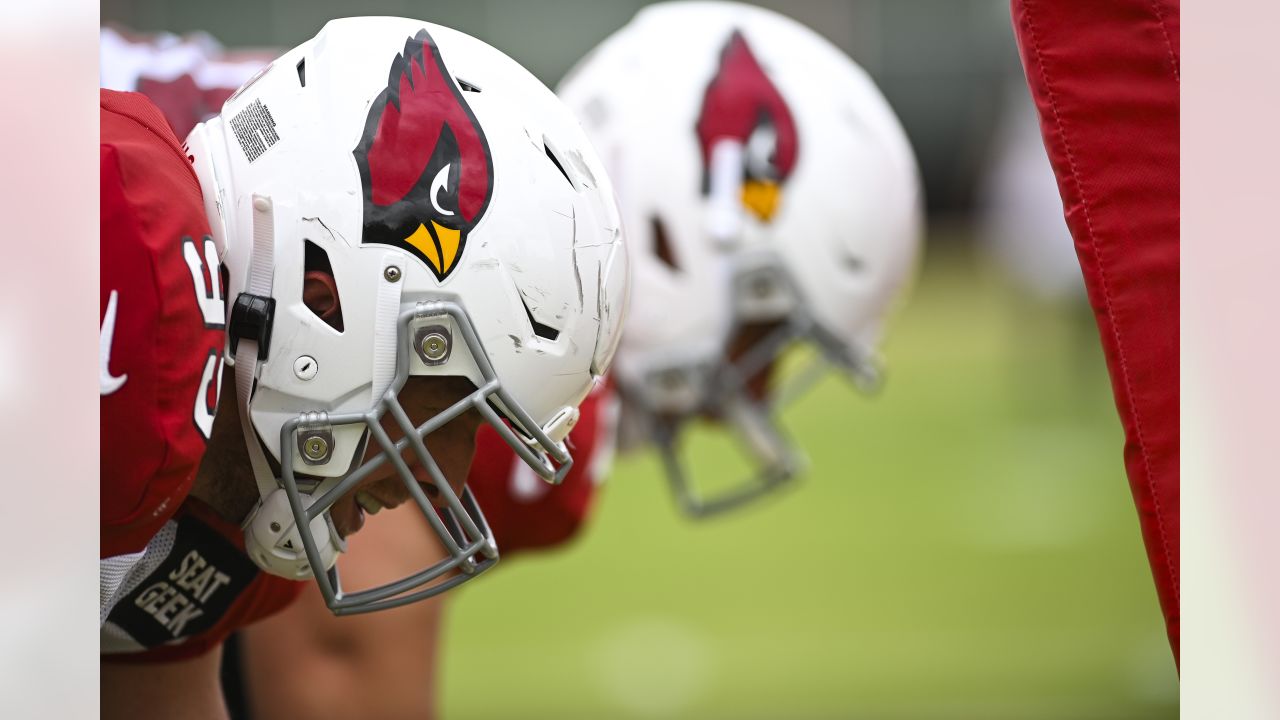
(555, 161)
(320, 288)
(302, 72)
(543, 331)
(662, 244)
(466, 86)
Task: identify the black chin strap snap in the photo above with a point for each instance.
(251, 318)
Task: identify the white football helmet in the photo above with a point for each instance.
(470, 230)
(771, 196)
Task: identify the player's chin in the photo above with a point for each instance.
(347, 516)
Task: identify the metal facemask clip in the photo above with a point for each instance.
(433, 344)
(762, 293)
(315, 438)
(677, 390)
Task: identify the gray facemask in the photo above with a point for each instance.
(668, 398)
(460, 525)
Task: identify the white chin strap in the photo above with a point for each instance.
(271, 537)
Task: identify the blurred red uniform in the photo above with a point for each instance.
(524, 512)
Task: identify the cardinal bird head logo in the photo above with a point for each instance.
(424, 161)
(742, 105)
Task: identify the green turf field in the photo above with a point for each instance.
(964, 546)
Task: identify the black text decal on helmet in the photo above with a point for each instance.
(424, 161)
(742, 105)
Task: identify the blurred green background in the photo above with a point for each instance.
(965, 545)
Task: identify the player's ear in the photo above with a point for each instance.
(320, 295)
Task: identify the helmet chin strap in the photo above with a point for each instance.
(271, 536)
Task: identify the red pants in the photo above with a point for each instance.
(1104, 75)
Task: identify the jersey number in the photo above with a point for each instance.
(206, 280)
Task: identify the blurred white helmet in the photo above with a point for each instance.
(770, 195)
(470, 231)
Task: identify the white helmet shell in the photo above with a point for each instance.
(425, 167)
(748, 153)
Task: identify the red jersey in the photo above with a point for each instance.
(160, 345)
(174, 578)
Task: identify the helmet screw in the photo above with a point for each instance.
(435, 346)
(391, 273)
(275, 526)
(305, 367)
(315, 448)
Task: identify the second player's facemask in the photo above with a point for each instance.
(741, 389)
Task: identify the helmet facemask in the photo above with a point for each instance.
(769, 310)
(459, 524)
(291, 532)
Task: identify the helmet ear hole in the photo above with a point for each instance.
(319, 288)
(662, 244)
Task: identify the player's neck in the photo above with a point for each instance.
(224, 480)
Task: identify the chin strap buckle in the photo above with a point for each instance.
(251, 318)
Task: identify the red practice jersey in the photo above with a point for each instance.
(174, 578)
(162, 327)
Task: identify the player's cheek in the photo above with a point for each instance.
(453, 447)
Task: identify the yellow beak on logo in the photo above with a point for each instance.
(438, 244)
(761, 198)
